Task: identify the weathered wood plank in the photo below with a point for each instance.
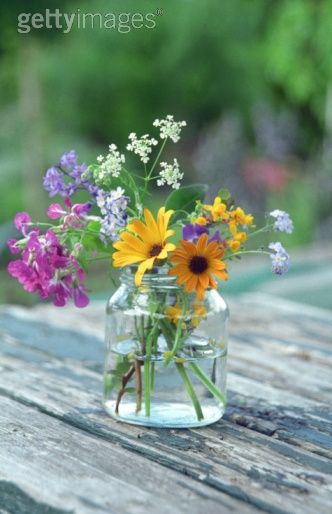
(262, 397)
(243, 464)
(67, 470)
(280, 384)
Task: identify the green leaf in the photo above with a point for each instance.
(185, 198)
(224, 194)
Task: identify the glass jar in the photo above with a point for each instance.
(165, 353)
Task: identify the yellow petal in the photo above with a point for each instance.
(145, 265)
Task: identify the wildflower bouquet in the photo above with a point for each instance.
(174, 258)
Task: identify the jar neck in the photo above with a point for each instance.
(155, 278)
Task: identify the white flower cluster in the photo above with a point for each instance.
(111, 164)
(170, 174)
(170, 128)
(142, 146)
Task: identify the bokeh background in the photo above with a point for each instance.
(253, 80)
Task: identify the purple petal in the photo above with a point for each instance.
(188, 232)
(21, 219)
(81, 300)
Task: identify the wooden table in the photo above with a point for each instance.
(60, 453)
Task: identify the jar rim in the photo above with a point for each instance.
(157, 276)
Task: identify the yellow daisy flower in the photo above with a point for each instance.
(144, 242)
(196, 263)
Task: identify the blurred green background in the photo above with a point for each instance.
(253, 80)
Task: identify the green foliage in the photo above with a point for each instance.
(185, 198)
(298, 51)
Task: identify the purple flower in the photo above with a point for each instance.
(280, 259)
(11, 243)
(68, 160)
(78, 171)
(20, 221)
(73, 216)
(47, 267)
(192, 232)
(217, 237)
(113, 207)
(81, 209)
(283, 221)
(54, 182)
(55, 211)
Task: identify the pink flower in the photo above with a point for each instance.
(20, 221)
(81, 209)
(55, 211)
(47, 267)
(11, 243)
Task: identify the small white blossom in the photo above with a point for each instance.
(170, 174)
(170, 128)
(142, 146)
(111, 164)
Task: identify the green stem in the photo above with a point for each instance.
(147, 369)
(152, 378)
(169, 334)
(178, 333)
(157, 158)
(190, 390)
(266, 228)
(207, 382)
(262, 252)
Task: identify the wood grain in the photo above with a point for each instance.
(270, 453)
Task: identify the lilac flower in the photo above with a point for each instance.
(283, 221)
(68, 160)
(192, 232)
(68, 176)
(280, 259)
(54, 182)
(113, 206)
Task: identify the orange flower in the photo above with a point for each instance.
(196, 263)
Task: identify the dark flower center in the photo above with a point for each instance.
(155, 250)
(198, 264)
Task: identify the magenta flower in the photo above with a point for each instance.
(11, 243)
(20, 221)
(55, 211)
(47, 267)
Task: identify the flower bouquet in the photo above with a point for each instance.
(166, 330)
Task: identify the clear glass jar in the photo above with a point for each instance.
(165, 353)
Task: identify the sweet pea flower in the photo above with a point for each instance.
(55, 211)
(20, 221)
